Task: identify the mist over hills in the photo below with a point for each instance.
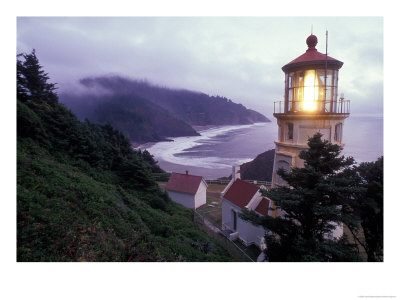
(140, 120)
(148, 113)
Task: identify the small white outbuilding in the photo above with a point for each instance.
(188, 190)
(239, 195)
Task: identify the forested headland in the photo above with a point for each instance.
(146, 113)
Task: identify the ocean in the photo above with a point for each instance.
(212, 154)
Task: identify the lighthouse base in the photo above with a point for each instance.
(294, 130)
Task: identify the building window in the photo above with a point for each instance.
(338, 133)
(234, 216)
(282, 164)
(289, 130)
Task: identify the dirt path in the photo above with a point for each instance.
(213, 194)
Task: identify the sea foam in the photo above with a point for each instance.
(179, 150)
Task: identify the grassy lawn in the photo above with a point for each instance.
(213, 207)
(216, 187)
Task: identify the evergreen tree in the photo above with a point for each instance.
(366, 207)
(150, 161)
(32, 81)
(22, 92)
(311, 206)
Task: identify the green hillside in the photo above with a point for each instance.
(83, 193)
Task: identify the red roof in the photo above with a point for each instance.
(263, 206)
(312, 56)
(241, 192)
(184, 183)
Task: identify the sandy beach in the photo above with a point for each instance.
(205, 172)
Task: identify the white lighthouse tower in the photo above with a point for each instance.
(311, 105)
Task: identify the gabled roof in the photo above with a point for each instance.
(184, 183)
(263, 206)
(241, 192)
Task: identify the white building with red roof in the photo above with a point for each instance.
(239, 195)
(188, 190)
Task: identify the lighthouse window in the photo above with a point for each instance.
(291, 78)
(328, 93)
(290, 94)
(306, 90)
(289, 128)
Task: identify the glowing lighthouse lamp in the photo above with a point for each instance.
(310, 105)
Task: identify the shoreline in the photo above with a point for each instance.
(175, 157)
(198, 128)
(206, 173)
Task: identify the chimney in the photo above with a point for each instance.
(235, 172)
(187, 172)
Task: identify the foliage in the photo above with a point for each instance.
(84, 194)
(100, 146)
(150, 161)
(32, 81)
(64, 214)
(312, 206)
(366, 207)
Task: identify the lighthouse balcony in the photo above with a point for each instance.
(341, 107)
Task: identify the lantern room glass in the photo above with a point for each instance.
(305, 90)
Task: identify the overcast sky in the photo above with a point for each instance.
(236, 57)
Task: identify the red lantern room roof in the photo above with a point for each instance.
(312, 57)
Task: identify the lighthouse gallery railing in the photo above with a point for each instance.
(333, 107)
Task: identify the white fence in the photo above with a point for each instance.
(226, 181)
(165, 177)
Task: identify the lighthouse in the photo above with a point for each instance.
(311, 104)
